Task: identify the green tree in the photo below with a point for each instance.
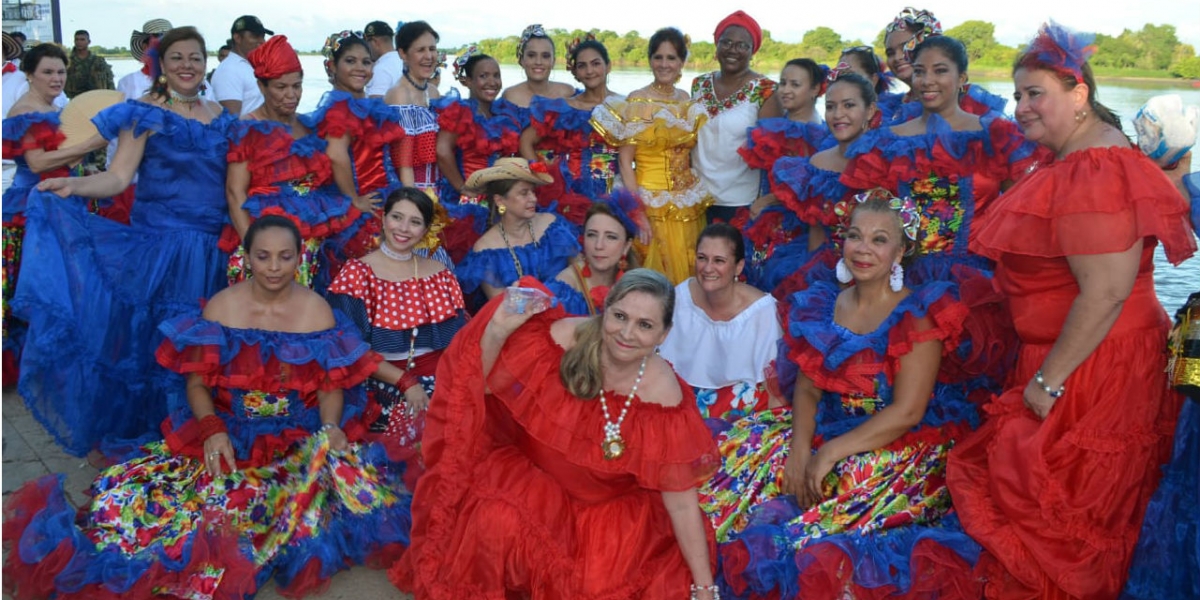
(1157, 43)
(824, 38)
(1187, 68)
(978, 36)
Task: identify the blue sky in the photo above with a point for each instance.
(307, 22)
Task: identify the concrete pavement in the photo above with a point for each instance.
(29, 452)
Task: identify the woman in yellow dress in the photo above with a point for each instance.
(655, 128)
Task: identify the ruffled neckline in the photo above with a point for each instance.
(305, 146)
(16, 127)
(807, 190)
(565, 115)
(495, 266)
(141, 117)
(337, 347)
(938, 133)
(812, 318)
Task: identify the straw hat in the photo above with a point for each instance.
(509, 168)
(12, 48)
(76, 118)
(139, 40)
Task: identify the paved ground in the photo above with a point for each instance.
(29, 452)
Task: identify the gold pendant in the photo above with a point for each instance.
(613, 448)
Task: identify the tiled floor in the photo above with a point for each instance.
(29, 452)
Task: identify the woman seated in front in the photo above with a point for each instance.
(562, 458)
(521, 241)
(844, 494)
(259, 474)
(727, 331)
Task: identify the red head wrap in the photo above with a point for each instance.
(744, 21)
(274, 59)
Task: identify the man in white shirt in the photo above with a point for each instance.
(233, 83)
(136, 84)
(388, 67)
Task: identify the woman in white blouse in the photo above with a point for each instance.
(725, 332)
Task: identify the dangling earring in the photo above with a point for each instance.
(843, 273)
(896, 280)
(622, 264)
(501, 209)
(1080, 116)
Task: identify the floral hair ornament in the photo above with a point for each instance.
(533, 31)
(460, 63)
(590, 37)
(334, 42)
(441, 217)
(922, 21)
(835, 73)
(1060, 49)
(905, 208)
(626, 208)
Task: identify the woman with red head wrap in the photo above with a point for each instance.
(735, 98)
(279, 166)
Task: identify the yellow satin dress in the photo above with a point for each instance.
(663, 133)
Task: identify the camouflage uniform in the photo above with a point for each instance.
(89, 73)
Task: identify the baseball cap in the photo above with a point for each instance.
(378, 28)
(250, 23)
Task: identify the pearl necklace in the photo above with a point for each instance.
(176, 97)
(392, 254)
(614, 445)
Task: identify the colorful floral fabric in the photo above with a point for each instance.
(756, 91)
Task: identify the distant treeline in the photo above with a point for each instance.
(1155, 50)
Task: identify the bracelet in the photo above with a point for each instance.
(210, 426)
(327, 426)
(1038, 379)
(407, 380)
(716, 591)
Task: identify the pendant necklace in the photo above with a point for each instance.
(614, 445)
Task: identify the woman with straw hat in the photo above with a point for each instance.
(521, 240)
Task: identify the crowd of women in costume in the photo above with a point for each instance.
(412, 330)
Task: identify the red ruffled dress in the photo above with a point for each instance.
(417, 150)
(288, 177)
(953, 177)
(480, 141)
(372, 126)
(1057, 503)
(584, 160)
(518, 498)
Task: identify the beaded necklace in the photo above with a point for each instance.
(614, 445)
(513, 253)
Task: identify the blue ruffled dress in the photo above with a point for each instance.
(94, 290)
(886, 526)
(569, 298)
(588, 164)
(953, 177)
(777, 229)
(160, 524)
(544, 260)
(976, 101)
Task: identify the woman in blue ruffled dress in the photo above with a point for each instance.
(810, 187)
(800, 131)
(535, 54)
(609, 229)
(94, 290)
(560, 133)
(521, 240)
(902, 35)
(32, 137)
(358, 131)
(279, 166)
(843, 494)
(408, 308)
(953, 164)
(259, 474)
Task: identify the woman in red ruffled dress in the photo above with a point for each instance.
(358, 131)
(1055, 483)
(278, 166)
(563, 458)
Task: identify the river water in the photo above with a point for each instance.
(1173, 284)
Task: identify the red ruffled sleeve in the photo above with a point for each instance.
(456, 118)
(40, 136)
(340, 121)
(1094, 201)
(869, 170)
